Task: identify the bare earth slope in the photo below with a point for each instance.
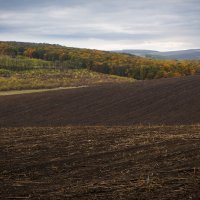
(166, 101)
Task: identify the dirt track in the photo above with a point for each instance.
(166, 101)
(100, 163)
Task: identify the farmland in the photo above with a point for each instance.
(141, 162)
(160, 102)
(79, 134)
(99, 100)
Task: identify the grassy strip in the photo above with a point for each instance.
(16, 92)
(48, 78)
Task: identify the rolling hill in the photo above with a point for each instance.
(19, 57)
(137, 52)
(164, 101)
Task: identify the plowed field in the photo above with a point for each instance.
(109, 141)
(167, 101)
(100, 163)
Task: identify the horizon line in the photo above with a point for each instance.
(125, 49)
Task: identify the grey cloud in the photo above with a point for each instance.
(104, 36)
(21, 4)
(134, 22)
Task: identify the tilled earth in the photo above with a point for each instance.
(174, 101)
(160, 162)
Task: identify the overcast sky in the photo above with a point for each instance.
(103, 24)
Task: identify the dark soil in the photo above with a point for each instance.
(172, 101)
(63, 157)
(100, 163)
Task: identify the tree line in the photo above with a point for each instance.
(60, 57)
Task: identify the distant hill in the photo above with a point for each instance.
(138, 52)
(190, 54)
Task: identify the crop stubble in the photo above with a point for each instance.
(161, 162)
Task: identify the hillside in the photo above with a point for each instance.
(165, 101)
(54, 78)
(18, 56)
